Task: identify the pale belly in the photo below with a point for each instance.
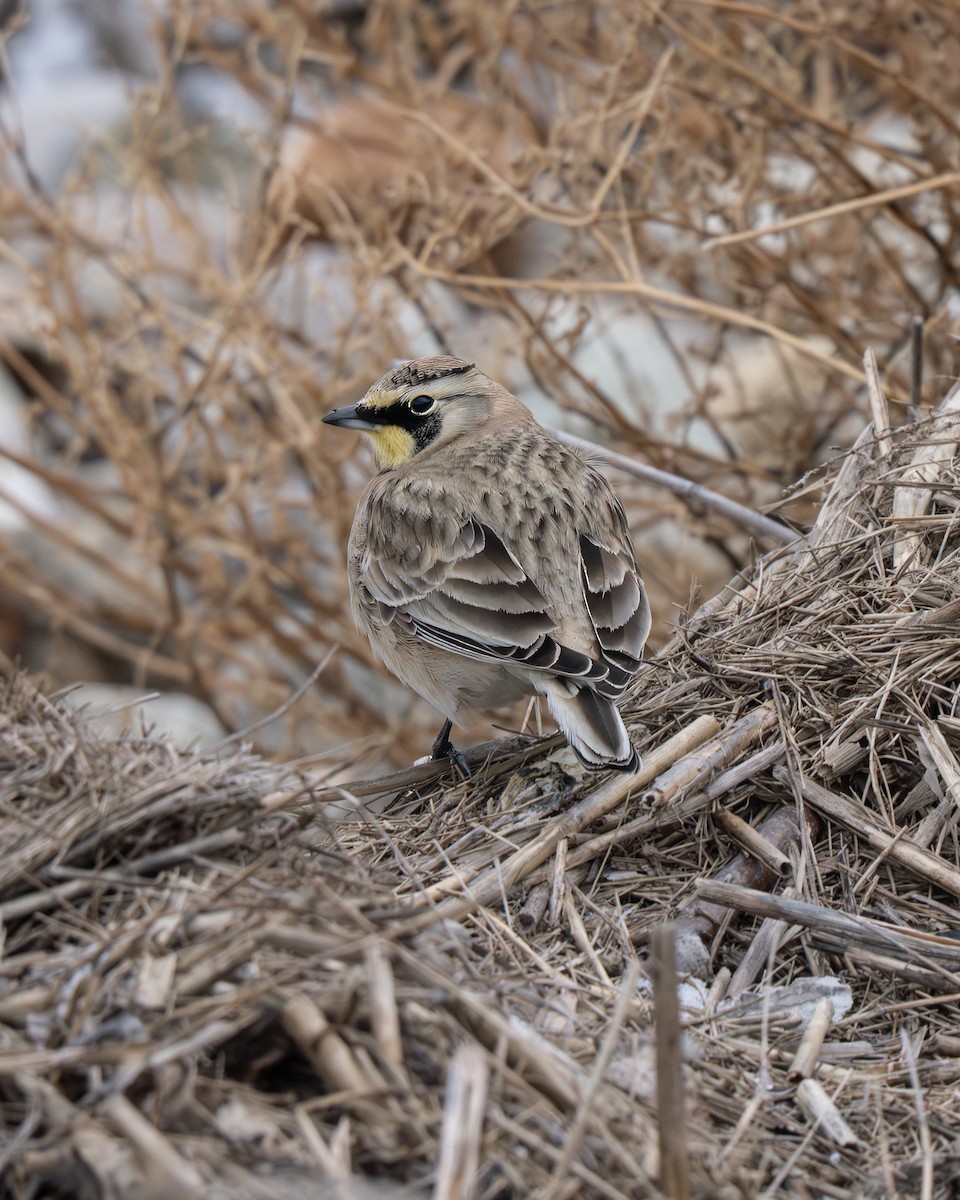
(449, 681)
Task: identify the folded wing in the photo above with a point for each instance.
(617, 604)
(461, 589)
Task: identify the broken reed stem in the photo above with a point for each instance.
(755, 843)
(916, 367)
(577, 931)
(461, 1133)
(761, 951)
(868, 962)
(534, 906)
(946, 810)
(671, 1107)
(700, 919)
(833, 521)
(927, 831)
(860, 931)
(558, 886)
(805, 1060)
(823, 1112)
(897, 847)
(331, 1057)
(943, 759)
(497, 880)
(878, 403)
(923, 1121)
(383, 1005)
(743, 772)
(730, 743)
(170, 1173)
(332, 1165)
(711, 756)
(947, 1045)
(911, 502)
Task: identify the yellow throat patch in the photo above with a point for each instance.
(392, 445)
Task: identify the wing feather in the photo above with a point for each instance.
(468, 590)
(617, 603)
(458, 587)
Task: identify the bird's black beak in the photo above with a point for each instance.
(348, 418)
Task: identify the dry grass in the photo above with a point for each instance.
(547, 191)
(209, 990)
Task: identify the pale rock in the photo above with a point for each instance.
(115, 711)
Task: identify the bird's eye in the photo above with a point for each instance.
(421, 405)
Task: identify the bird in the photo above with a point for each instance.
(489, 561)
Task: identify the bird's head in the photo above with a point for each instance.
(420, 404)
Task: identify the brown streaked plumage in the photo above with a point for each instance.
(487, 561)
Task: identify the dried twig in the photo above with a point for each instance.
(856, 204)
(693, 494)
(671, 1105)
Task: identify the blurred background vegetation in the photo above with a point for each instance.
(221, 218)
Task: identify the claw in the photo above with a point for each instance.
(444, 748)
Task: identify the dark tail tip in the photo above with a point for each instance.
(600, 739)
(631, 766)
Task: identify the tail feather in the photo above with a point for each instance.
(593, 727)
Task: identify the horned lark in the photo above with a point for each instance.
(488, 561)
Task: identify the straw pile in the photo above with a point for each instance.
(210, 988)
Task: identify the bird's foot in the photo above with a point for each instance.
(444, 748)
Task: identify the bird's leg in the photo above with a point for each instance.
(444, 748)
